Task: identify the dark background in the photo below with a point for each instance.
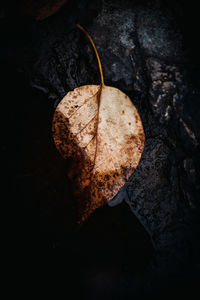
(106, 256)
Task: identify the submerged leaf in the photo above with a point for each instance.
(99, 128)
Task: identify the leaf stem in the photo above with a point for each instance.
(95, 50)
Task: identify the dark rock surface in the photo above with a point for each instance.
(145, 53)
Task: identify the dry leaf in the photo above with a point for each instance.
(99, 128)
(40, 9)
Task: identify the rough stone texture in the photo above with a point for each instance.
(142, 54)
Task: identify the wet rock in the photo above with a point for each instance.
(157, 34)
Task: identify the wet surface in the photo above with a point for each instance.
(151, 57)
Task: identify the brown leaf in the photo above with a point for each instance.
(99, 128)
(40, 9)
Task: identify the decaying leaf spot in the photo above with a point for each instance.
(99, 128)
